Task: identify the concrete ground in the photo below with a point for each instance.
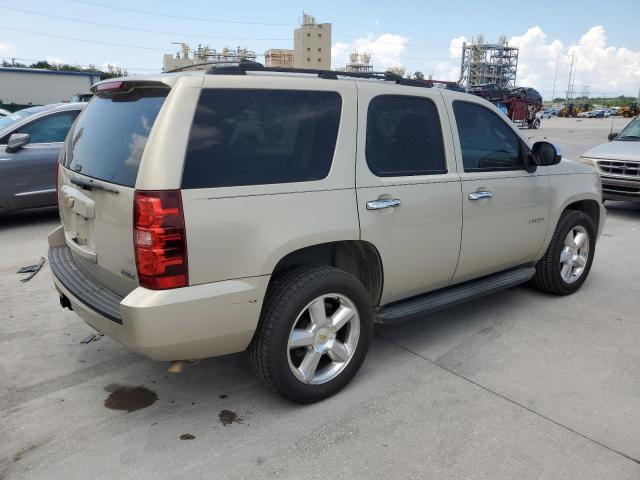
(519, 385)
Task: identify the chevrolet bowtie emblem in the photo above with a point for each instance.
(322, 338)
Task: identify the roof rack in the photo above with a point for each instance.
(244, 66)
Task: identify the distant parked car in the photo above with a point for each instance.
(489, 91)
(595, 114)
(81, 97)
(584, 114)
(525, 93)
(30, 141)
(548, 113)
(618, 163)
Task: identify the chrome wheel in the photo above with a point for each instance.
(323, 338)
(574, 254)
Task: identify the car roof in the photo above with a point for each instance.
(41, 110)
(171, 78)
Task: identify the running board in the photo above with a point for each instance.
(422, 305)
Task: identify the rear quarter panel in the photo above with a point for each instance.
(243, 231)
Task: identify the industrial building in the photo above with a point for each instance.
(278, 57)
(204, 55)
(488, 63)
(312, 44)
(31, 86)
(359, 62)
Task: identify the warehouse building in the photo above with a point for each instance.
(32, 86)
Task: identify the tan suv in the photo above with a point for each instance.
(286, 212)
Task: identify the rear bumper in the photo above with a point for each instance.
(614, 188)
(183, 323)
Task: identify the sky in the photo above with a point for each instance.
(421, 36)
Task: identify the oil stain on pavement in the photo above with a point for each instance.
(127, 398)
(227, 417)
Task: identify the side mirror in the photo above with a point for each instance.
(545, 153)
(612, 135)
(17, 141)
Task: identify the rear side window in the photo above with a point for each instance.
(404, 137)
(487, 142)
(50, 129)
(256, 137)
(109, 137)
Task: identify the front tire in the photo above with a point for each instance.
(314, 332)
(567, 262)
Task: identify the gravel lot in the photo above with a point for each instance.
(513, 386)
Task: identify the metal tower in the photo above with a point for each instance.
(488, 63)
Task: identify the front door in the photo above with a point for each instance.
(505, 208)
(408, 189)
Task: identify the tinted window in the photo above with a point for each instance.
(254, 137)
(20, 114)
(404, 137)
(109, 137)
(52, 128)
(487, 142)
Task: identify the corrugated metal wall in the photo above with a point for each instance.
(40, 88)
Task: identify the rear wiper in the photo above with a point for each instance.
(89, 184)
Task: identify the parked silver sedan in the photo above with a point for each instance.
(30, 141)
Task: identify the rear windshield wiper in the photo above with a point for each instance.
(90, 184)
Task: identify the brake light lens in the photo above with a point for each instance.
(109, 86)
(159, 239)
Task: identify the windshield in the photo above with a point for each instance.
(19, 115)
(108, 139)
(631, 132)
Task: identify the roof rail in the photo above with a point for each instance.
(240, 68)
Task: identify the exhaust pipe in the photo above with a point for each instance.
(178, 365)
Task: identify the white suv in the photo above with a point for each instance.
(286, 212)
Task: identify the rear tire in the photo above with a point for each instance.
(303, 348)
(566, 263)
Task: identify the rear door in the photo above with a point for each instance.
(408, 188)
(97, 182)
(29, 174)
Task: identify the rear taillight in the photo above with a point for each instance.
(159, 239)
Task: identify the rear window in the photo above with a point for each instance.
(109, 137)
(256, 137)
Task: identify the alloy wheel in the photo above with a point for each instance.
(574, 254)
(323, 339)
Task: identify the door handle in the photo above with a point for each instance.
(480, 195)
(383, 203)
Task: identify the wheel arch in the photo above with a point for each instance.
(587, 200)
(589, 207)
(357, 257)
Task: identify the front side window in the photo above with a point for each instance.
(404, 137)
(487, 142)
(49, 129)
(257, 137)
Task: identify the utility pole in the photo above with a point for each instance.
(555, 76)
(569, 89)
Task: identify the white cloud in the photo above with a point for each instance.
(56, 61)
(5, 49)
(385, 50)
(605, 69)
(455, 46)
